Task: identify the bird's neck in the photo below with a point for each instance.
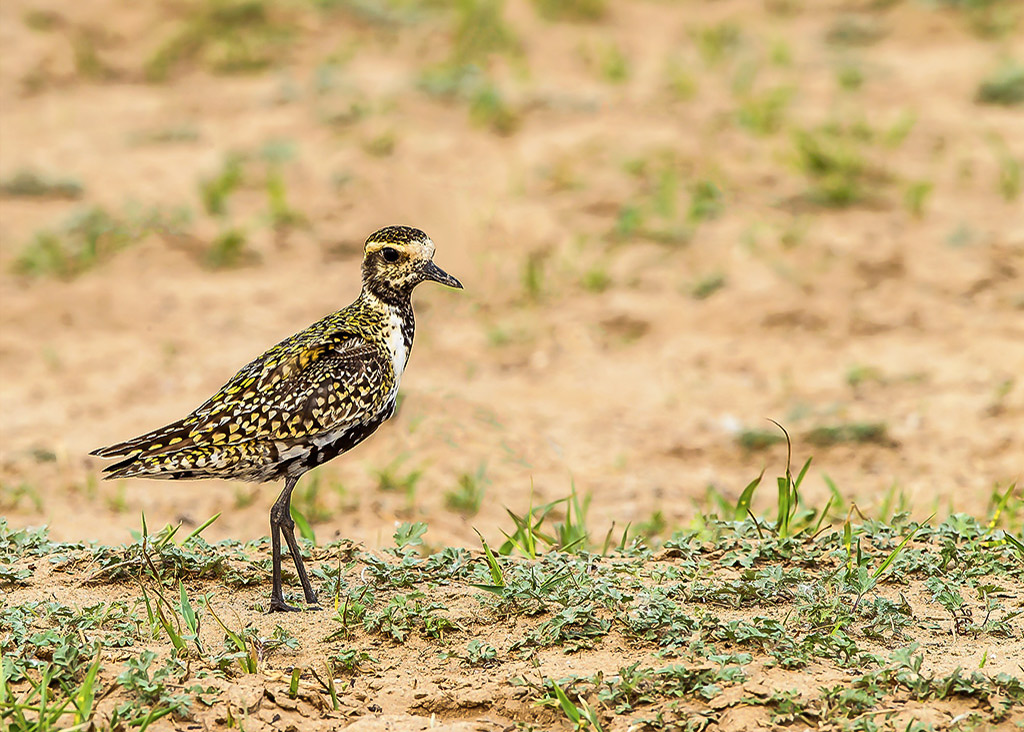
(393, 319)
(390, 310)
(384, 299)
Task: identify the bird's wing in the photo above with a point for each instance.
(291, 392)
(307, 391)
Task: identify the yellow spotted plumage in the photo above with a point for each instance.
(308, 399)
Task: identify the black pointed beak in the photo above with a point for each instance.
(432, 272)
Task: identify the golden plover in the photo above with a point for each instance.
(308, 399)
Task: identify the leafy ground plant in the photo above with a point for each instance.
(794, 588)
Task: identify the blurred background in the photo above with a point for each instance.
(674, 220)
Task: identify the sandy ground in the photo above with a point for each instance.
(541, 374)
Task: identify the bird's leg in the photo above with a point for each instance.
(288, 529)
(281, 522)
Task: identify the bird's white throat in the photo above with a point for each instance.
(396, 345)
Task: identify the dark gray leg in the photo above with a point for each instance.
(281, 523)
(293, 548)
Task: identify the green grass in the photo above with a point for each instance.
(387, 14)
(32, 184)
(822, 435)
(855, 432)
(850, 77)
(707, 286)
(1009, 181)
(1004, 86)
(611, 63)
(716, 43)
(91, 236)
(579, 11)
(842, 161)
(489, 108)
(992, 19)
(479, 32)
(224, 36)
(855, 30)
(468, 495)
(915, 196)
(227, 250)
(664, 208)
(764, 113)
(680, 81)
(596, 279)
(838, 585)
(396, 478)
(216, 190)
(795, 587)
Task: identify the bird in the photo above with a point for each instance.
(310, 398)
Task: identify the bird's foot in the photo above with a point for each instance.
(278, 605)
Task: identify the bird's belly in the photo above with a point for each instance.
(297, 459)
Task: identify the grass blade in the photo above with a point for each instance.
(199, 529)
(248, 661)
(305, 530)
(567, 706)
(743, 504)
(895, 552)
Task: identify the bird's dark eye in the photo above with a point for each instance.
(390, 254)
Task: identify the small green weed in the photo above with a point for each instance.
(764, 113)
(380, 146)
(530, 533)
(706, 201)
(716, 43)
(92, 236)
(32, 184)
(834, 159)
(856, 432)
(351, 661)
(855, 30)
(215, 190)
(850, 77)
(479, 32)
(227, 249)
(488, 108)
(392, 478)
(1004, 86)
(405, 613)
(708, 285)
(225, 36)
(467, 497)
(1009, 177)
(915, 196)
(480, 654)
(579, 11)
(611, 63)
(660, 212)
(596, 279)
(680, 81)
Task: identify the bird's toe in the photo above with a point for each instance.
(280, 606)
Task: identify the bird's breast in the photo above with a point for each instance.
(399, 341)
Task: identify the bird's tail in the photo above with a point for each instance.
(141, 454)
(171, 452)
(173, 436)
(148, 467)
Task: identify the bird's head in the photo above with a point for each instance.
(396, 259)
